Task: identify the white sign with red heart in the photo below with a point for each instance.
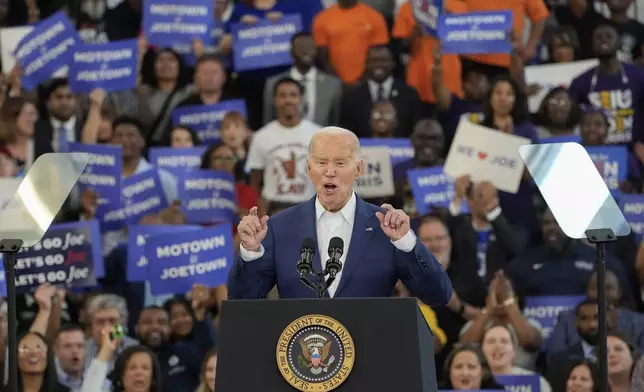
(486, 155)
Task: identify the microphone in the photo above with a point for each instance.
(334, 265)
(305, 264)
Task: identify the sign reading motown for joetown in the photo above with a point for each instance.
(315, 353)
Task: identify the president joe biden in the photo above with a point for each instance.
(379, 246)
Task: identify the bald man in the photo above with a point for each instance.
(379, 246)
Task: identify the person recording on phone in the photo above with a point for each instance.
(105, 311)
(368, 248)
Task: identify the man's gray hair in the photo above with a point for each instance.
(107, 301)
(338, 131)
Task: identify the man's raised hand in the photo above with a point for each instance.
(252, 230)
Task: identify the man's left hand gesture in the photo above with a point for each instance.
(394, 223)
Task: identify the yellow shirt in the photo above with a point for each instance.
(432, 321)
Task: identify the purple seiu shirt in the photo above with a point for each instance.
(620, 96)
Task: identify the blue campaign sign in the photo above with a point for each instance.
(111, 66)
(479, 32)
(103, 174)
(46, 49)
(68, 255)
(137, 263)
(400, 149)
(210, 196)
(520, 383)
(432, 188)
(211, 45)
(142, 194)
(632, 207)
(265, 44)
(177, 23)
(178, 261)
(543, 310)
(427, 14)
(561, 139)
(176, 160)
(206, 119)
(612, 163)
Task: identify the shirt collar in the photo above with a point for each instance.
(348, 211)
(310, 76)
(64, 377)
(142, 166)
(589, 351)
(69, 124)
(386, 84)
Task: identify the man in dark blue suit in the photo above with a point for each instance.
(379, 246)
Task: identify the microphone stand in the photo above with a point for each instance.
(318, 285)
(600, 237)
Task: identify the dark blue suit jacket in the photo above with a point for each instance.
(372, 269)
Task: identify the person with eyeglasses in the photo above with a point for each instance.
(384, 120)
(36, 368)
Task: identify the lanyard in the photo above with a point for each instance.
(593, 82)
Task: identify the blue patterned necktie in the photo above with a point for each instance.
(63, 143)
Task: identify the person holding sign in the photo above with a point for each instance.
(485, 235)
(594, 127)
(535, 10)
(381, 237)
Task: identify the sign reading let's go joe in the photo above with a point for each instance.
(68, 255)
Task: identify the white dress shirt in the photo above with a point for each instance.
(335, 224)
(309, 87)
(70, 131)
(387, 85)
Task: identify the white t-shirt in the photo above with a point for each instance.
(278, 150)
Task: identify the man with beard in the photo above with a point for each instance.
(559, 266)
(588, 329)
(61, 126)
(615, 87)
(358, 102)
(180, 362)
(321, 100)
(69, 348)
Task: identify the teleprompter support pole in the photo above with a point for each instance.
(9, 249)
(600, 237)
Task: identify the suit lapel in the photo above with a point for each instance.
(364, 225)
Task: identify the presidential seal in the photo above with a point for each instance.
(315, 353)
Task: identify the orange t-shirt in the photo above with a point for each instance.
(535, 10)
(348, 34)
(419, 68)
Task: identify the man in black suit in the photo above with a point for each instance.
(60, 126)
(358, 101)
(587, 318)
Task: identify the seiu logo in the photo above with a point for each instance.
(498, 160)
(612, 99)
